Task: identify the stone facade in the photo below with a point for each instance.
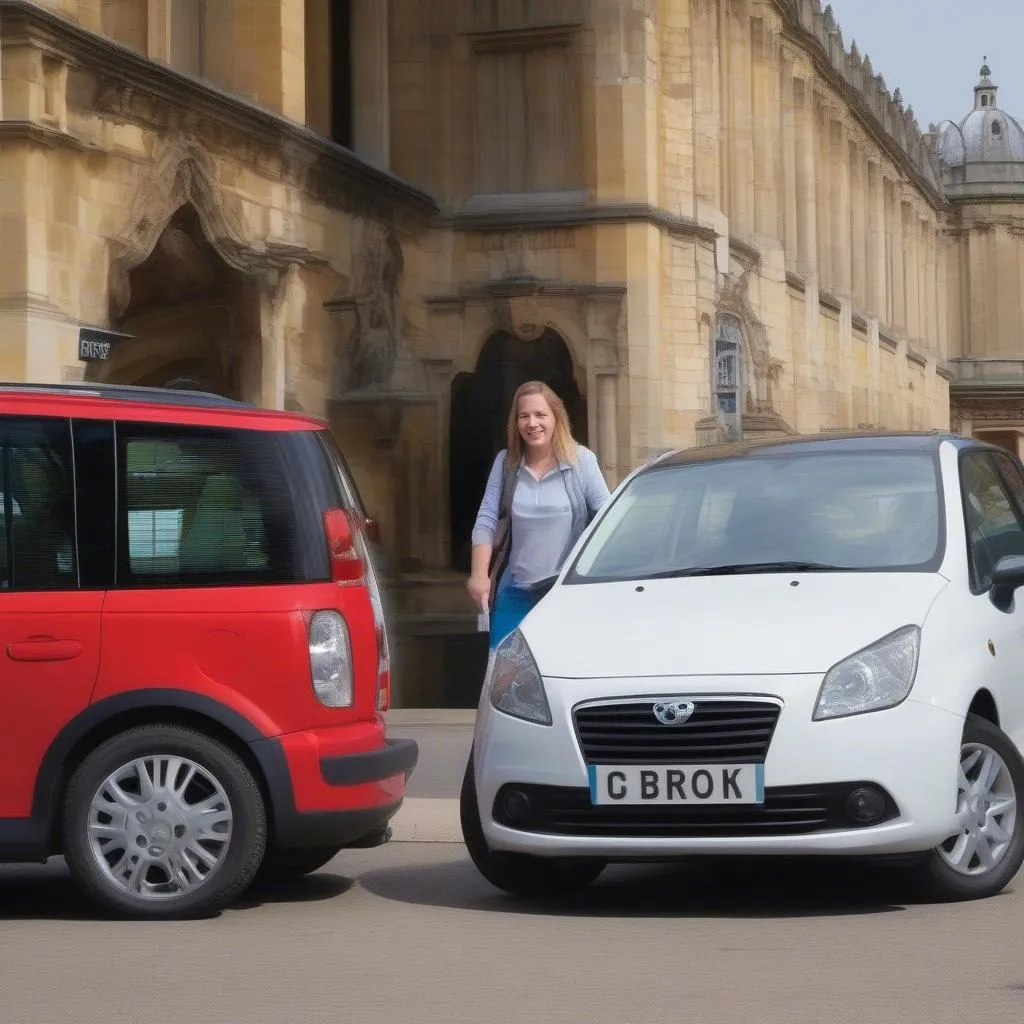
(982, 160)
(697, 219)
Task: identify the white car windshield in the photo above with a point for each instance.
(865, 511)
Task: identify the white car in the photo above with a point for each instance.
(809, 646)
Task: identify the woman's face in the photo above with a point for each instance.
(536, 422)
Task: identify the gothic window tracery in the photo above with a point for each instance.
(728, 352)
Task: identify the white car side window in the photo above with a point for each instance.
(994, 527)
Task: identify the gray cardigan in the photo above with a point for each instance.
(584, 483)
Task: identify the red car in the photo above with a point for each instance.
(194, 662)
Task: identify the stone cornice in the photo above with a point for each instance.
(510, 288)
(888, 342)
(578, 216)
(745, 253)
(131, 74)
(524, 38)
(826, 300)
(40, 134)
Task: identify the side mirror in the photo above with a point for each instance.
(1007, 577)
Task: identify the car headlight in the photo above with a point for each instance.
(516, 687)
(878, 677)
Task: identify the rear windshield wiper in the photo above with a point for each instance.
(749, 567)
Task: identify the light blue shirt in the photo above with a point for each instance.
(543, 525)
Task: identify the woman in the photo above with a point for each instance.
(543, 491)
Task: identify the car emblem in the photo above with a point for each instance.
(674, 712)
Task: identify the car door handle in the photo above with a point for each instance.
(44, 648)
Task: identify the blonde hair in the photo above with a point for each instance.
(562, 442)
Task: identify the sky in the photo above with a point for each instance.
(933, 50)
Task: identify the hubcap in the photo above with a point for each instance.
(986, 811)
(159, 827)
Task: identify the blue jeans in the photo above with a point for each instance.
(511, 606)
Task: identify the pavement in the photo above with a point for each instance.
(430, 812)
(410, 932)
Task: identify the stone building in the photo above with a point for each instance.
(696, 219)
(983, 179)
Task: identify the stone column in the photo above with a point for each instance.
(277, 290)
(858, 228)
(791, 230)
(741, 126)
(825, 193)
(706, 62)
(371, 104)
(899, 284)
(931, 324)
(876, 241)
(842, 247)
(809, 364)
(875, 281)
(912, 265)
(764, 102)
(272, 35)
(806, 178)
(158, 30)
(603, 384)
(626, 125)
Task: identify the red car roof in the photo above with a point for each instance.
(152, 405)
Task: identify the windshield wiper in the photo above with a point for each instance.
(749, 567)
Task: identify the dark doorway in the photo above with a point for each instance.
(479, 412)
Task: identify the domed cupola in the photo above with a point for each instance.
(984, 153)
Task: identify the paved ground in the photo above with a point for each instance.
(411, 933)
(430, 812)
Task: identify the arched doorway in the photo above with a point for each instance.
(479, 411)
(194, 320)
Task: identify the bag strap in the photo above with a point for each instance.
(503, 528)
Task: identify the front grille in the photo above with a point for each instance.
(786, 811)
(718, 731)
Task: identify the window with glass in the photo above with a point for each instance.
(205, 506)
(857, 511)
(993, 521)
(37, 505)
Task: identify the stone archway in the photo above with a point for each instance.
(194, 319)
(237, 291)
(479, 411)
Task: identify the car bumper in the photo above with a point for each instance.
(910, 752)
(325, 793)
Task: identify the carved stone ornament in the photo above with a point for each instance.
(522, 316)
(373, 343)
(1003, 412)
(183, 175)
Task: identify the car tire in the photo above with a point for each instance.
(938, 878)
(282, 865)
(190, 798)
(520, 874)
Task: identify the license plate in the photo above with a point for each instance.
(690, 784)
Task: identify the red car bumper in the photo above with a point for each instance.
(336, 787)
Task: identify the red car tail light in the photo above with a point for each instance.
(348, 568)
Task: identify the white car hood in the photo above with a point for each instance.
(722, 625)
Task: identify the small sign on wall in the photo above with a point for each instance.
(95, 343)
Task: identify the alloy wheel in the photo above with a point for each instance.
(160, 826)
(986, 811)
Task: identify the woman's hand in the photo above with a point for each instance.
(479, 588)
